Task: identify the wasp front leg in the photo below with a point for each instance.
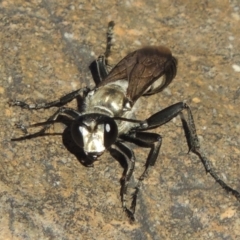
(129, 158)
(146, 140)
(68, 112)
(58, 103)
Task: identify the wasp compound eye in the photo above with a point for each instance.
(77, 131)
(110, 133)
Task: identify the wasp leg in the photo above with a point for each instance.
(100, 67)
(71, 113)
(58, 103)
(169, 113)
(109, 40)
(147, 140)
(128, 155)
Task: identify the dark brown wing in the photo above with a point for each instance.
(142, 68)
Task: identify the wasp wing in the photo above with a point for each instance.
(142, 68)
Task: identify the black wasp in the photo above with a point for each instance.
(106, 119)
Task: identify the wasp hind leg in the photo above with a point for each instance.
(167, 114)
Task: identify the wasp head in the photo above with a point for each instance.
(94, 133)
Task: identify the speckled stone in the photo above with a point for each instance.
(45, 50)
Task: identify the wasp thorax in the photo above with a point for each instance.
(110, 99)
(94, 133)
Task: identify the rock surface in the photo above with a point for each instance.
(45, 50)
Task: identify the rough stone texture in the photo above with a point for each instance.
(45, 50)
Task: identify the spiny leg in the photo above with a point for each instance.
(100, 68)
(46, 125)
(169, 113)
(147, 140)
(60, 102)
(109, 40)
(194, 146)
(129, 157)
